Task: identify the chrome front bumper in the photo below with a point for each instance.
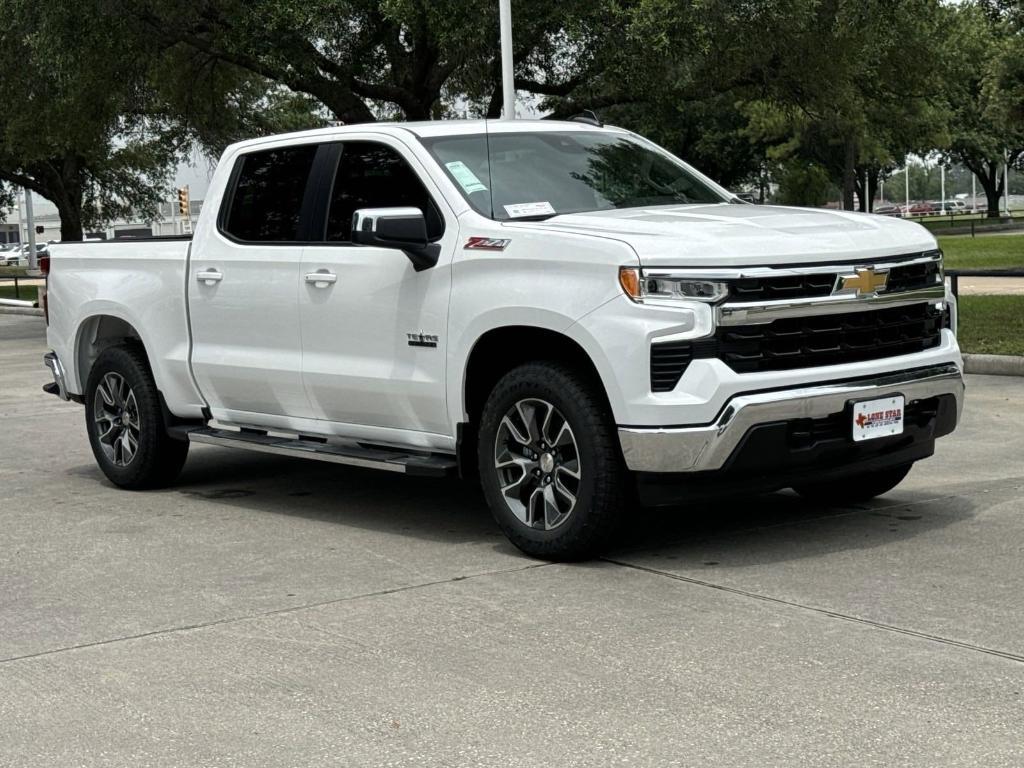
(60, 381)
(709, 446)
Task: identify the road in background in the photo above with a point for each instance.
(269, 611)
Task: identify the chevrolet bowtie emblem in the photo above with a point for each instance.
(866, 282)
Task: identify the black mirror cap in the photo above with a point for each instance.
(404, 228)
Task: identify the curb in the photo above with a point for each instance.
(994, 365)
(20, 311)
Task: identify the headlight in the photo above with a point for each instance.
(647, 285)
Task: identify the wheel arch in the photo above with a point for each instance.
(500, 349)
(97, 333)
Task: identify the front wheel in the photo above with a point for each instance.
(550, 464)
(125, 422)
(855, 488)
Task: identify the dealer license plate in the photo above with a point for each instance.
(878, 418)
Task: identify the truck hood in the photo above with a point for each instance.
(747, 235)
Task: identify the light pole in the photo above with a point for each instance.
(31, 231)
(508, 86)
(906, 187)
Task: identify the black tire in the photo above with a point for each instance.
(157, 458)
(855, 488)
(601, 491)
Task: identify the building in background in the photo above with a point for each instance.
(15, 229)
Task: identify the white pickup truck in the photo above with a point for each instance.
(562, 309)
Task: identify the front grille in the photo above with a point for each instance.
(906, 277)
(806, 342)
(783, 287)
(913, 277)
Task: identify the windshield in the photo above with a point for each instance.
(538, 175)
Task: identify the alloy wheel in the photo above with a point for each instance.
(116, 414)
(538, 464)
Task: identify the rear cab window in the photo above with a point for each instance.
(267, 194)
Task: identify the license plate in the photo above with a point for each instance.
(878, 418)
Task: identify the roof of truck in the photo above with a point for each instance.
(429, 128)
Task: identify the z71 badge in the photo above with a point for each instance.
(487, 244)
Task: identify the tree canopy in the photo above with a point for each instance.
(812, 93)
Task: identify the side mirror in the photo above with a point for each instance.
(403, 228)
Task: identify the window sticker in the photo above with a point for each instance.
(529, 209)
(466, 178)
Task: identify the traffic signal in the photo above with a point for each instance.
(183, 202)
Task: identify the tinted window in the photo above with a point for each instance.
(372, 175)
(268, 195)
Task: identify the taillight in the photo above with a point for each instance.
(44, 294)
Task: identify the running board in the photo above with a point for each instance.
(391, 460)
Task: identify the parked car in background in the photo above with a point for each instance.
(13, 255)
(888, 210)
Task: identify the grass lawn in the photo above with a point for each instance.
(25, 292)
(986, 251)
(6, 271)
(991, 325)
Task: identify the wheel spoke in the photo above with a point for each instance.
(564, 492)
(104, 393)
(104, 436)
(535, 508)
(530, 420)
(552, 514)
(131, 411)
(515, 432)
(565, 469)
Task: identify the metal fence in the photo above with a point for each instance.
(954, 275)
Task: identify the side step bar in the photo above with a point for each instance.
(392, 460)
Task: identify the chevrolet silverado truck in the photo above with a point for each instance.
(563, 310)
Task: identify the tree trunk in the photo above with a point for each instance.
(860, 186)
(872, 188)
(849, 172)
(991, 182)
(70, 219)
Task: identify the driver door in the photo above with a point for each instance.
(373, 330)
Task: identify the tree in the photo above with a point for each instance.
(987, 130)
(76, 131)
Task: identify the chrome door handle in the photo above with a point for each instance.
(321, 279)
(209, 276)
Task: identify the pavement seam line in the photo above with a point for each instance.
(823, 611)
(275, 612)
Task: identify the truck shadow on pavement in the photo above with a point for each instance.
(749, 530)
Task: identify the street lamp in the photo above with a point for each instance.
(508, 86)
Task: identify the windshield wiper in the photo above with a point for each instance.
(538, 217)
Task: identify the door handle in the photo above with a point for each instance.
(321, 279)
(209, 276)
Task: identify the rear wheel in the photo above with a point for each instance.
(550, 464)
(855, 488)
(125, 422)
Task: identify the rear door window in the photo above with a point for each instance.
(266, 205)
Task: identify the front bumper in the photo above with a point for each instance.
(709, 447)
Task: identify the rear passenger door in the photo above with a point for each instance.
(373, 338)
(243, 286)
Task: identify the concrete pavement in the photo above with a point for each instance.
(268, 611)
